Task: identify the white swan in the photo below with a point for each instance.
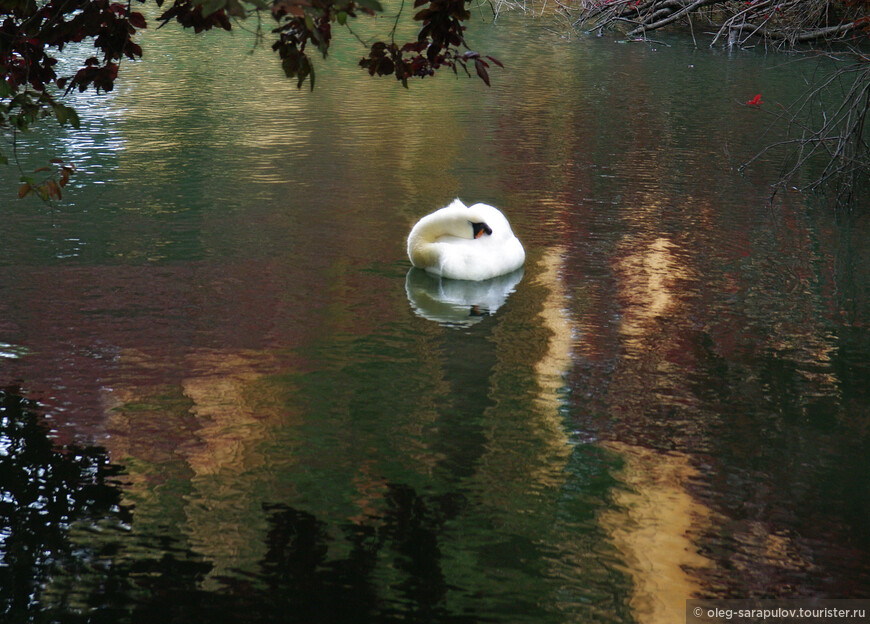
(465, 242)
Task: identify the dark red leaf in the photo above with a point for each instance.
(480, 66)
(137, 20)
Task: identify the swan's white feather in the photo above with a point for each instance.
(443, 243)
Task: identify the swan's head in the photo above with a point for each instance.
(488, 221)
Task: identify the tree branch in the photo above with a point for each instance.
(697, 4)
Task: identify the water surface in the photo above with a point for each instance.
(227, 398)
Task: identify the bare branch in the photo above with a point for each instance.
(697, 4)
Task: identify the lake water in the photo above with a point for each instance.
(227, 399)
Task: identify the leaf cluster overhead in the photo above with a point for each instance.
(34, 35)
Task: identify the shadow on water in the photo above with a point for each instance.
(302, 577)
(70, 554)
(47, 497)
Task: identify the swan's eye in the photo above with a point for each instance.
(480, 229)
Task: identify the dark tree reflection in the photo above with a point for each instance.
(310, 583)
(68, 553)
(44, 492)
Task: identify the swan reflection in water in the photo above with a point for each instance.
(458, 302)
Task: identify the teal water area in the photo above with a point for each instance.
(227, 398)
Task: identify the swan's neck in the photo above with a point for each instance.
(434, 228)
(429, 231)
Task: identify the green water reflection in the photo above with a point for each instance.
(670, 400)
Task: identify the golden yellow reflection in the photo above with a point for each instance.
(210, 430)
(649, 274)
(767, 547)
(554, 363)
(653, 528)
(656, 521)
(527, 449)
